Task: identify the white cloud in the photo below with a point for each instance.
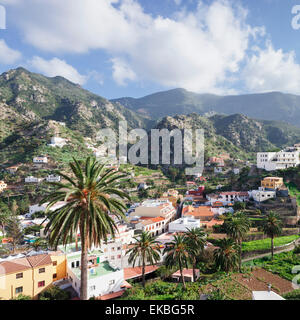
(272, 70)
(8, 55)
(122, 72)
(194, 50)
(57, 67)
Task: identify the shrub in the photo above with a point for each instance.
(294, 295)
(54, 293)
(22, 297)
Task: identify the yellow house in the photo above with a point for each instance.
(59, 263)
(30, 275)
(272, 182)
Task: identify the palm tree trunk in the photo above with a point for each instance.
(272, 247)
(194, 270)
(181, 274)
(240, 256)
(84, 266)
(143, 273)
(76, 241)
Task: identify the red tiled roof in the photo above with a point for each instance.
(126, 285)
(111, 295)
(13, 266)
(185, 272)
(39, 260)
(202, 211)
(213, 222)
(131, 273)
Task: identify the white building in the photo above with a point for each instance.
(228, 197)
(32, 179)
(155, 208)
(40, 160)
(42, 208)
(58, 142)
(104, 278)
(3, 186)
(262, 194)
(53, 178)
(236, 171)
(271, 161)
(183, 224)
(266, 295)
(218, 169)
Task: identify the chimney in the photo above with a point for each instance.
(269, 287)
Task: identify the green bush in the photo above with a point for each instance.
(54, 293)
(22, 297)
(294, 295)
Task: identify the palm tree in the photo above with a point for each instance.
(237, 227)
(272, 227)
(39, 243)
(196, 240)
(90, 196)
(177, 254)
(145, 249)
(4, 219)
(226, 256)
(14, 231)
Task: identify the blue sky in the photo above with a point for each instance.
(135, 47)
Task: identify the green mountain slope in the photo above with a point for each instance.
(267, 106)
(236, 133)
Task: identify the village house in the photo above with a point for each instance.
(32, 179)
(58, 142)
(30, 275)
(40, 160)
(13, 169)
(53, 178)
(272, 183)
(184, 224)
(262, 194)
(271, 161)
(3, 186)
(228, 197)
(204, 213)
(42, 208)
(105, 280)
(215, 161)
(155, 208)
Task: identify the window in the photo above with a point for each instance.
(112, 282)
(54, 276)
(77, 264)
(92, 288)
(42, 270)
(19, 290)
(19, 275)
(54, 263)
(41, 284)
(73, 264)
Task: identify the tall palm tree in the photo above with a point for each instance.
(145, 249)
(90, 195)
(14, 231)
(177, 254)
(272, 227)
(226, 256)
(196, 240)
(4, 219)
(237, 227)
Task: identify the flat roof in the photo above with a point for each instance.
(266, 295)
(102, 269)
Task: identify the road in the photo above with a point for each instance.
(269, 253)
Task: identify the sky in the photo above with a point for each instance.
(118, 48)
